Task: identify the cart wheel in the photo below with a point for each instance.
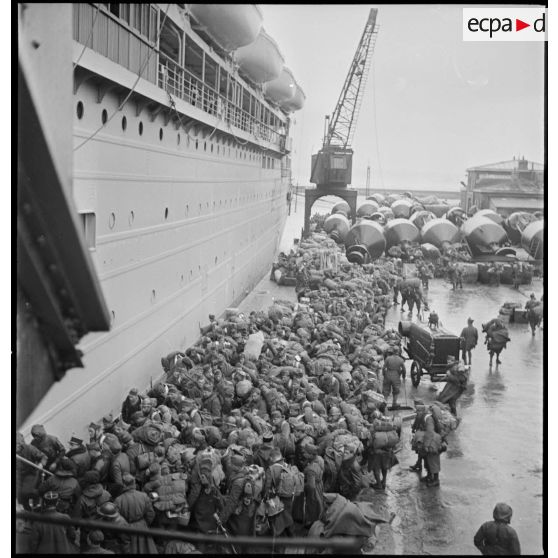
(416, 373)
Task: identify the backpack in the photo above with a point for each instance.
(256, 478)
(209, 460)
(205, 416)
(291, 481)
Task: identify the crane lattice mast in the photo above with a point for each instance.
(332, 165)
(342, 122)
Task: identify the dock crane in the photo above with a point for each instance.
(332, 166)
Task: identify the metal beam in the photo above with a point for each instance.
(336, 543)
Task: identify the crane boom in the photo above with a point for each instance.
(332, 165)
(343, 120)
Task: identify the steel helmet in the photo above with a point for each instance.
(108, 510)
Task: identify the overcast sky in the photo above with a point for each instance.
(441, 104)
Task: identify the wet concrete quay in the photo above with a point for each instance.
(496, 453)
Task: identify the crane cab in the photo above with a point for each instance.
(332, 166)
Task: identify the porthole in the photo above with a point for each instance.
(166, 213)
(140, 128)
(124, 123)
(112, 220)
(104, 116)
(79, 110)
(177, 139)
(161, 134)
(131, 217)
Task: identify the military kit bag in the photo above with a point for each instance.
(385, 440)
(291, 481)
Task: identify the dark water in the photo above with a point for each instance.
(495, 455)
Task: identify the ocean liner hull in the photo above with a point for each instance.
(185, 222)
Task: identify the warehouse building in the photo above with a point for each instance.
(505, 187)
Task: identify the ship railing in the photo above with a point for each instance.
(183, 84)
(108, 35)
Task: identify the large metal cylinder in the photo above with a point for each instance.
(378, 217)
(342, 207)
(420, 218)
(337, 226)
(491, 214)
(402, 208)
(387, 212)
(365, 238)
(439, 232)
(400, 230)
(378, 198)
(439, 209)
(532, 239)
(515, 224)
(391, 198)
(483, 235)
(456, 215)
(367, 208)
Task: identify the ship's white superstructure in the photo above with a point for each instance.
(181, 179)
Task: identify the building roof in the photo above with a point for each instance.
(509, 185)
(520, 203)
(508, 166)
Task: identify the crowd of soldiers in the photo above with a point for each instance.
(271, 424)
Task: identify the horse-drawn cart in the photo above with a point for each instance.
(429, 350)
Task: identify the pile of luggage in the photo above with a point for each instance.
(300, 378)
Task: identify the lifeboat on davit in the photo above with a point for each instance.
(365, 239)
(483, 235)
(439, 232)
(296, 102)
(280, 89)
(261, 60)
(342, 207)
(231, 26)
(399, 231)
(532, 239)
(337, 226)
